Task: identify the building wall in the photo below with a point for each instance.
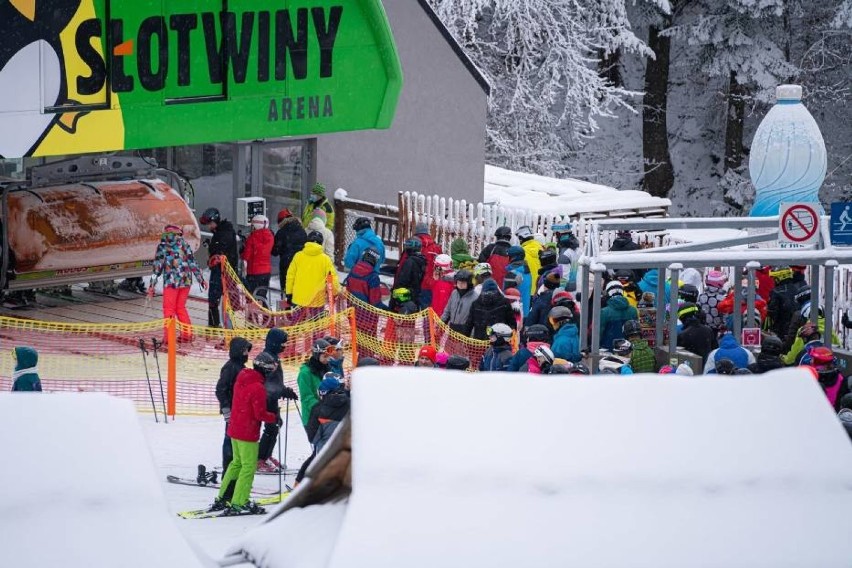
(437, 142)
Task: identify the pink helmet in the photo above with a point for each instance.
(443, 261)
(715, 278)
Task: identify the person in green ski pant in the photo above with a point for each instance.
(248, 410)
(310, 376)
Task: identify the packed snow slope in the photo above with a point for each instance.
(452, 469)
(79, 486)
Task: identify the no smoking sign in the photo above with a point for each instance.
(798, 223)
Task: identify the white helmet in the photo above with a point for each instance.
(443, 261)
(500, 330)
(259, 222)
(611, 364)
(544, 352)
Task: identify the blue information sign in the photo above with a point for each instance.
(841, 224)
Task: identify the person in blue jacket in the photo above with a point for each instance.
(518, 276)
(648, 283)
(566, 340)
(25, 376)
(497, 356)
(364, 239)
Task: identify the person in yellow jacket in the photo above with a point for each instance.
(306, 276)
(531, 249)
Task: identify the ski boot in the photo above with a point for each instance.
(250, 508)
(218, 505)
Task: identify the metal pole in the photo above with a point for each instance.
(750, 293)
(830, 266)
(738, 303)
(675, 269)
(148, 377)
(583, 291)
(597, 269)
(815, 298)
(660, 303)
(157, 345)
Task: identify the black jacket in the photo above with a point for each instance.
(326, 415)
(624, 243)
(765, 363)
(274, 382)
(224, 241)
(782, 304)
(289, 239)
(539, 310)
(697, 338)
(229, 371)
(489, 308)
(411, 274)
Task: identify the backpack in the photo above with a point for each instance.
(498, 263)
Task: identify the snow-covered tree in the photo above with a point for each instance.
(542, 60)
(844, 15)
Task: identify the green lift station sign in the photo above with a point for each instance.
(81, 76)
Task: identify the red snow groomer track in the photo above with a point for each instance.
(92, 227)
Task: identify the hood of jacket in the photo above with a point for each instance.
(362, 269)
(336, 399)
(459, 246)
(426, 240)
(651, 278)
(312, 249)
(491, 298)
(618, 302)
(275, 340)
(518, 265)
(263, 236)
(287, 221)
(728, 342)
(27, 358)
(316, 224)
(248, 376)
(621, 242)
(235, 351)
(366, 233)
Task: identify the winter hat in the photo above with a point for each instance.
(648, 298)
(512, 293)
(490, 286)
(283, 214)
(614, 288)
(715, 278)
(421, 229)
(318, 189)
(427, 351)
(441, 359)
(173, 229)
(443, 261)
(560, 295)
(516, 253)
(320, 214)
(330, 382)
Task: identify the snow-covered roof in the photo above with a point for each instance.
(565, 196)
(79, 486)
(648, 470)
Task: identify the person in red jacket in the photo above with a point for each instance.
(430, 250)
(248, 410)
(443, 284)
(257, 255)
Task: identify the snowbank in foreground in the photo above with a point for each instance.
(79, 487)
(510, 470)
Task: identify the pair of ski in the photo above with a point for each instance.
(206, 513)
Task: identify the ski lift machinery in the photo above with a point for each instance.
(89, 219)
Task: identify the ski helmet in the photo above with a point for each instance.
(361, 223)
(547, 257)
(687, 310)
(580, 369)
(516, 253)
(544, 354)
(463, 275)
(265, 363)
(537, 332)
(725, 367)
(666, 370)
(482, 270)
(315, 237)
(443, 261)
(210, 215)
(412, 245)
(743, 371)
(611, 365)
(259, 222)
(821, 356)
(458, 363)
(501, 331)
(803, 295)
(771, 345)
(322, 346)
(631, 328)
(330, 382)
(401, 294)
(524, 233)
(284, 214)
(715, 278)
(688, 293)
(622, 347)
(623, 275)
(781, 273)
(503, 233)
(569, 240)
(558, 315)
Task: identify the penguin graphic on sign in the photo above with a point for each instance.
(32, 71)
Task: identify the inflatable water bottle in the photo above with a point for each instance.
(788, 159)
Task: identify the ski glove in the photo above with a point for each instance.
(226, 412)
(289, 394)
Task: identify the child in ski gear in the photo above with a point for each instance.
(308, 273)
(442, 283)
(642, 358)
(769, 358)
(531, 249)
(175, 262)
(25, 377)
(457, 312)
(335, 362)
(566, 340)
(499, 352)
(496, 254)
(311, 374)
(247, 412)
(481, 273)
(617, 311)
(730, 349)
(222, 243)
(276, 338)
(238, 354)
(460, 253)
(540, 306)
(490, 308)
(630, 290)
(363, 282)
(547, 260)
(365, 238)
(289, 239)
(518, 276)
(695, 337)
(402, 302)
(541, 360)
(711, 297)
(648, 283)
(326, 415)
(318, 200)
(318, 224)
(412, 270)
(257, 254)
(533, 336)
(426, 356)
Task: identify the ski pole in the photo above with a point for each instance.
(157, 345)
(148, 377)
(281, 466)
(286, 430)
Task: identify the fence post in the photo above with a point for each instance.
(353, 333)
(332, 305)
(432, 315)
(339, 234)
(171, 330)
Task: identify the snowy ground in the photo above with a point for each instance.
(179, 446)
